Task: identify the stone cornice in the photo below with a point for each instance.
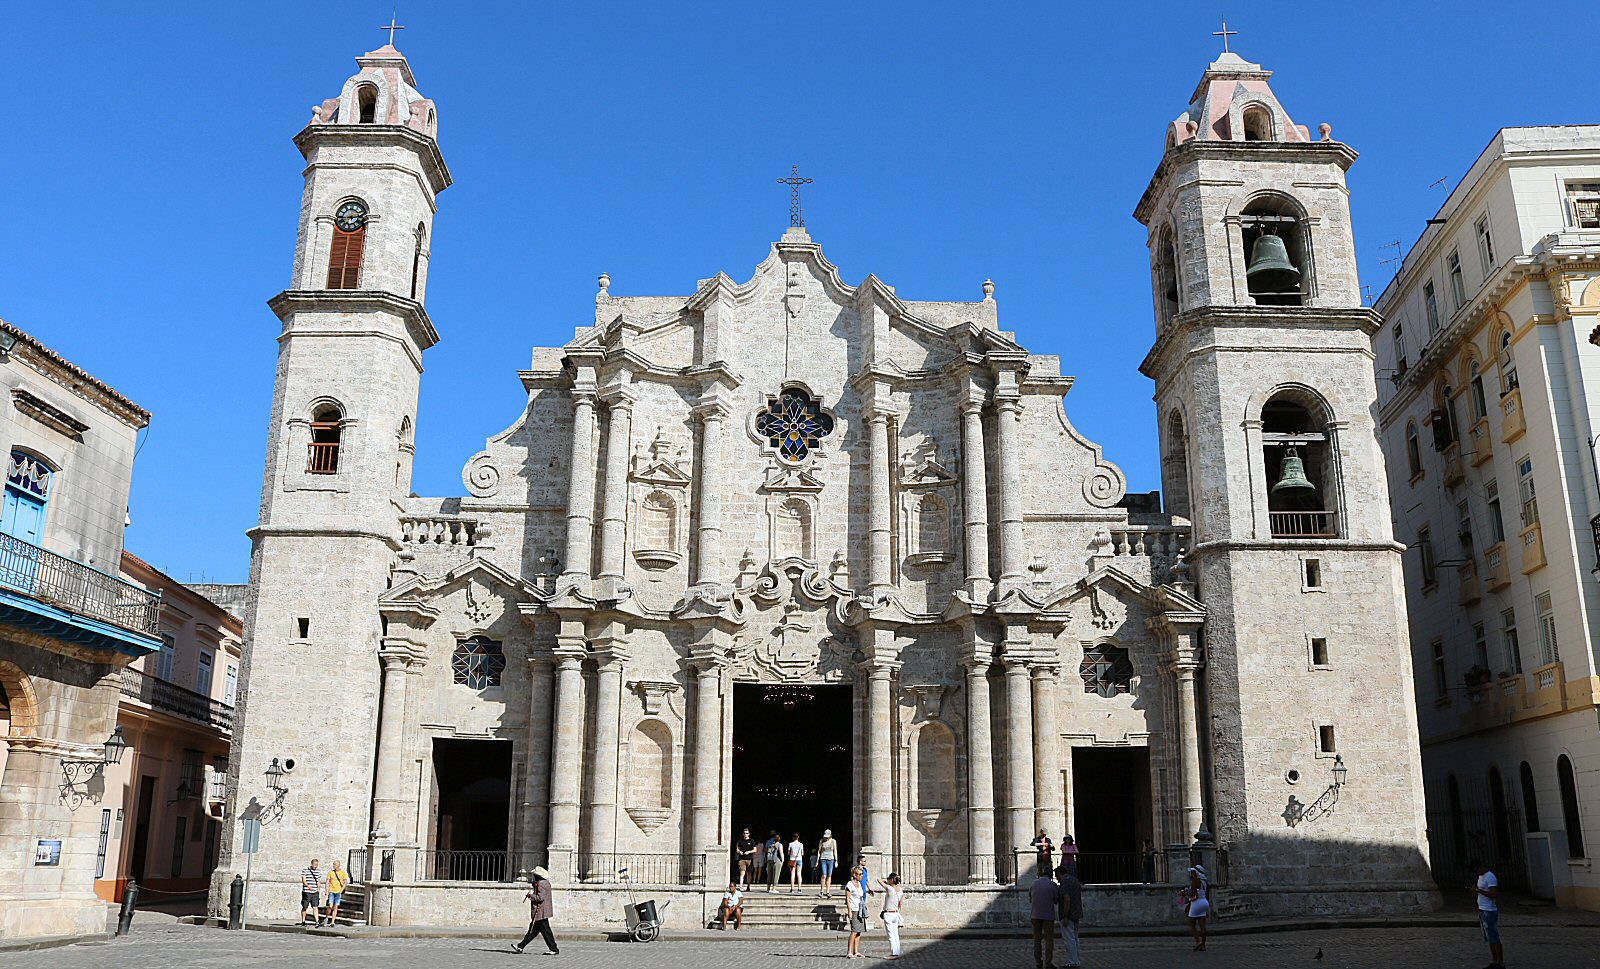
(418, 326)
(56, 368)
(426, 149)
(1364, 319)
(1234, 152)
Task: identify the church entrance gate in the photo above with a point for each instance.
(473, 801)
(1111, 812)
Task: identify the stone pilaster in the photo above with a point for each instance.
(713, 414)
(614, 503)
(602, 809)
(536, 786)
(980, 769)
(707, 751)
(1185, 667)
(880, 713)
(880, 578)
(1019, 752)
(580, 486)
(400, 659)
(1048, 791)
(1008, 421)
(975, 495)
(566, 743)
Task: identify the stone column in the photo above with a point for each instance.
(1013, 565)
(975, 496)
(1185, 667)
(536, 789)
(708, 558)
(602, 814)
(880, 754)
(980, 772)
(565, 749)
(1047, 754)
(1019, 753)
(707, 752)
(614, 503)
(580, 486)
(878, 498)
(387, 800)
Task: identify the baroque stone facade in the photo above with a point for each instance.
(721, 510)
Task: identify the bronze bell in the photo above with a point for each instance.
(1292, 475)
(1270, 270)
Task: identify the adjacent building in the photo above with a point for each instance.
(794, 552)
(68, 627)
(1489, 415)
(159, 822)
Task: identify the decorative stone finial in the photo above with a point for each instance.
(988, 290)
(1326, 130)
(605, 284)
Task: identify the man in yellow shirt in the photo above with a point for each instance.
(338, 881)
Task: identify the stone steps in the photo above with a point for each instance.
(783, 910)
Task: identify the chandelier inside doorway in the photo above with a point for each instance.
(789, 697)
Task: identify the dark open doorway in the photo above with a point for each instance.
(474, 783)
(791, 764)
(1110, 812)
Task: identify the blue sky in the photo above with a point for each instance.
(151, 187)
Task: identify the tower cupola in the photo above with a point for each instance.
(383, 92)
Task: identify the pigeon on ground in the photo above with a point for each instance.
(1319, 953)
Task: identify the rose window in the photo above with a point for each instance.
(1106, 670)
(793, 424)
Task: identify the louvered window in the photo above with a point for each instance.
(344, 264)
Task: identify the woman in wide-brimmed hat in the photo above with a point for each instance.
(539, 899)
(1196, 900)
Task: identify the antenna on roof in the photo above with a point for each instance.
(1440, 182)
(1397, 257)
(1366, 293)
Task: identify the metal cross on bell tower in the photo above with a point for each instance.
(1225, 33)
(794, 181)
(393, 26)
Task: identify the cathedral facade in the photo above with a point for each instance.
(786, 553)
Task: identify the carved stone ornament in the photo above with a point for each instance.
(930, 699)
(476, 612)
(649, 819)
(481, 476)
(652, 693)
(932, 822)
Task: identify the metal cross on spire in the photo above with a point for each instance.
(391, 27)
(1224, 33)
(794, 181)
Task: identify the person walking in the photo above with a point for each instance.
(541, 905)
(827, 857)
(1196, 901)
(1069, 851)
(745, 850)
(732, 907)
(1487, 891)
(310, 892)
(893, 897)
(1071, 907)
(338, 881)
(797, 859)
(774, 861)
(1149, 868)
(856, 900)
(1044, 898)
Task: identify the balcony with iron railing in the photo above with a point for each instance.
(1304, 524)
(91, 600)
(171, 698)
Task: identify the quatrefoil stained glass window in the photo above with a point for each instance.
(478, 662)
(793, 424)
(1106, 670)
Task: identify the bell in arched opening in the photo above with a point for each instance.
(1292, 480)
(1270, 270)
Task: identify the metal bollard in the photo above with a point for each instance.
(236, 903)
(130, 898)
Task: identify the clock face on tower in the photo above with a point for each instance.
(351, 216)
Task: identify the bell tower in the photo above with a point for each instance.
(1265, 394)
(354, 331)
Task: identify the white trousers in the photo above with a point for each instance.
(1069, 941)
(891, 925)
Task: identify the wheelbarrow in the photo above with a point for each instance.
(643, 918)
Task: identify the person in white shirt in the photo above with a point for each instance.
(893, 896)
(797, 858)
(1487, 890)
(856, 900)
(732, 907)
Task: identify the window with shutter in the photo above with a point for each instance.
(344, 263)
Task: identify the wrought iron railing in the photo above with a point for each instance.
(468, 866)
(1303, 524)
(76, 587)
(944, 870)
(172, 698)
(1115, 867)
(604, 868)
(356, 865)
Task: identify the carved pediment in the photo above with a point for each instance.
(790, 479)
(794, 656)
(923, 467)
(661, 464)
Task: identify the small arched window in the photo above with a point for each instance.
(1257, 123)
(793, 529)
(27, 492)
(1570, 815)
(1444, 421)
(1277, 252)
(478, 662)
(327, 428)
(658, 522)
(932, 526)
(1175, 467)
(349, 243)
(1168, 300)
(1413, 450)
(1508, 365)
(1530, 798)
(1302, 486)
(1480, 405)
(366, 104)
